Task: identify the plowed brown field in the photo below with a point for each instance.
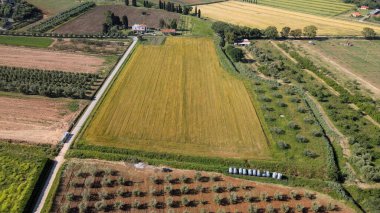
(49, 60)
(35, 119)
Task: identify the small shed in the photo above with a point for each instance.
(244, 42)
(140, 28)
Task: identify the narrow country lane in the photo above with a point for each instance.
(60, 158)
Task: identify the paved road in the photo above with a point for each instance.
(59, 160)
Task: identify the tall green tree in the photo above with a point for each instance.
(271, 32)
(310, 31)
(285, 32)
(199, 13)
(126, 2)
(134, 3)
(368, 33)
(124, 21)
(296, 33)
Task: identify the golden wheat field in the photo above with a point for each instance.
(176, 98)
(253, 15)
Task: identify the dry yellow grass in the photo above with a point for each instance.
(252, 15)
(176, 98)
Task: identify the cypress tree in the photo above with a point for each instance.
(126, 2)
(199, 13)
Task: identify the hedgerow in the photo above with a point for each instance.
(61, 17)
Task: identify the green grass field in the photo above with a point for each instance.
(21, 165)
(362, 58)
(26, 41)
(175, 98)
(195, 26)
(315, 7)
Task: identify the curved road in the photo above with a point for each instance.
(60, 158)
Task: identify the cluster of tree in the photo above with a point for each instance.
(61, 17)
(171, 7)
(19, 11)
(148, 4)
(270, 65)
(368, 33)
(113, 23)
(46, 83)
(230, 33)
(373, 4)
(170, 24)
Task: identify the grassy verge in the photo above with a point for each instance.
(26, 41)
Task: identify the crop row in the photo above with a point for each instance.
(47, 83)
(61, 17)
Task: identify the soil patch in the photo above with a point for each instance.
(49, 60)
(36, 119)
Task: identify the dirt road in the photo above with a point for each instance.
(59, 160)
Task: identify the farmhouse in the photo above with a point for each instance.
(141, 28)
(245, 42)
(364, 7)
(356, 14)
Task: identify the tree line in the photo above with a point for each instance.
(46, 83)
(19, 11)
(61, 17)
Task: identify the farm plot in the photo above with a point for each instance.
(190, 2)
(111, 187)
(92, 21)
(49, 60)
(316, 7)
(252, 15)
(52, 7)
(176, 98)
(355, 60)
(36, 119)
(21, 166)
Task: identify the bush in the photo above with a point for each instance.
(293, 125)
(310, 154)
(235, 54)
(282, 104)
(317, 133)
(278, 131)
(283, 145)
(253, 209)
(302, 139)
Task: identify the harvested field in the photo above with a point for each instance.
(92, 21)
(36, 119)
(176, 98)
(147, 188)
(315, 7)
(49, 60)
(52, 7)
(252, 15)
